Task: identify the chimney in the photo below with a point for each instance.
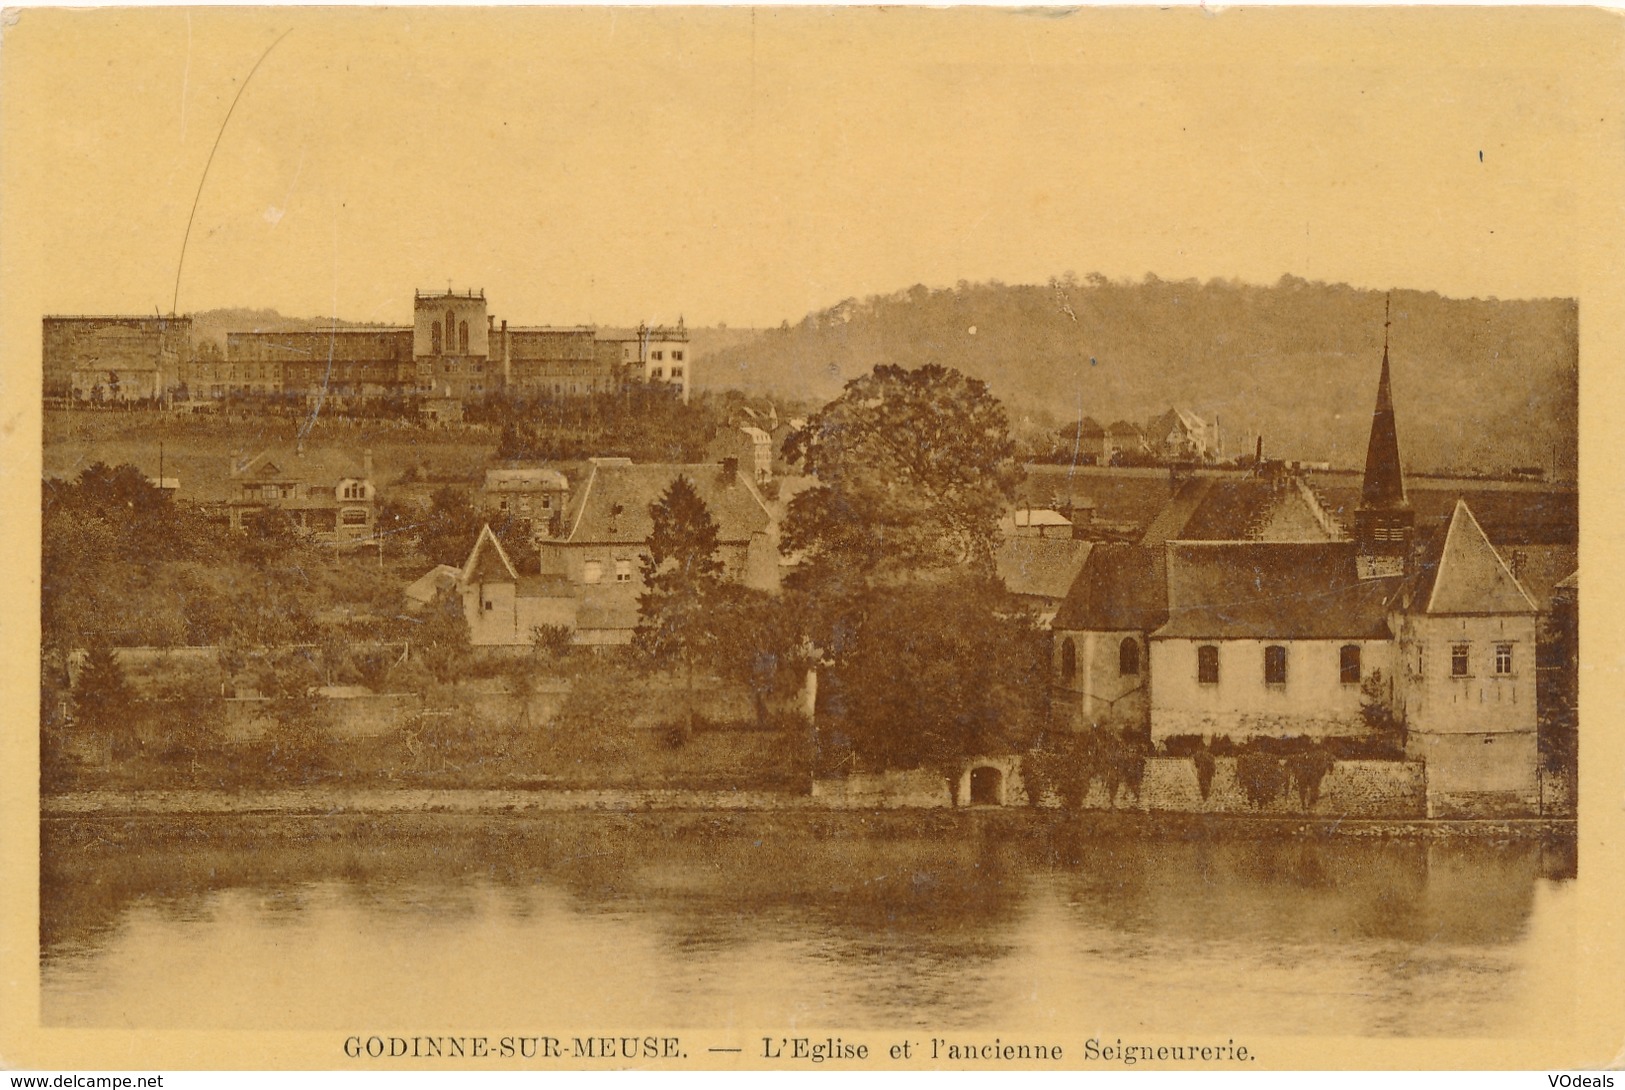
(366, 464)
(1083, 517)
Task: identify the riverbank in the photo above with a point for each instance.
(300, 808)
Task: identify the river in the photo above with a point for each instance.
(800, 921)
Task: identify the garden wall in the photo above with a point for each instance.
(1373, 789)
(883, 790)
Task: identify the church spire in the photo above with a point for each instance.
(1384, 520)
(1384, 481)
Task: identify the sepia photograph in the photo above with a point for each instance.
(804, 539)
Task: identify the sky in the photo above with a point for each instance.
(747, 166)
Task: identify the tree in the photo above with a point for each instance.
(914, 469)
(103, 699)
(299, 739)
(443, 640)
(449, 528)
(935, 672)
(678, 623)
(765, 649)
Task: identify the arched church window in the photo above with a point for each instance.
(451, 329)
(1128, 656)
(462, 337)
(1069, 659)
(1348, 664)
(434, 339)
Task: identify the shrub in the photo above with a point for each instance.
(1262, 777)
(1306, 770)
(1205, 765)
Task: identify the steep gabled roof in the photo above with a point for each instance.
(1207, 508)
(1272, 590)
(613, 507)
(1384, 485)
(1120, 588)
(489, 562)
(1460, 572)
(1040, 567)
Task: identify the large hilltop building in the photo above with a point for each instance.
(1248, 610)
(114, 357)
(455, 350)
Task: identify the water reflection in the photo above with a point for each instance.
(582, 920)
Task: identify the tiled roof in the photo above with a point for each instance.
(525, 479)
(1272, 590)
(613, 506)
(1120, 588)
(488, 562)
(1040, 567)
(1220, 509)
(1460, 572)
(431, 584)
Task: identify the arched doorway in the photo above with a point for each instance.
(986, 786)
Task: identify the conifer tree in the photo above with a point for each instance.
(678, 623)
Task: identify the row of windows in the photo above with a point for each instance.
(676, 355)
(660, 372)
(593, 571)
(1461, 659)
(1275, 662)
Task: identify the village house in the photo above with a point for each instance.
(747, 445)
(324, 494)
(1121, 438)
(607, 530)
(1247, 610)
(531, 498)
(504, 608)
(1181, 434)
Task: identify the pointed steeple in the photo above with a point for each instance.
(1384, 520)
(1384, 481)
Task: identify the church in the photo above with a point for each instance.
(1248, 610)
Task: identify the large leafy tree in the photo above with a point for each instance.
(764, 649)
(679, 624)
(927, 659)
(935, 672)
(914, 469)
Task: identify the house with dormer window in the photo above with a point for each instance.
(325, 495)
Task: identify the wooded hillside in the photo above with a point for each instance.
(1479, 384)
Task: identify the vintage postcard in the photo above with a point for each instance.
(808, 539)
